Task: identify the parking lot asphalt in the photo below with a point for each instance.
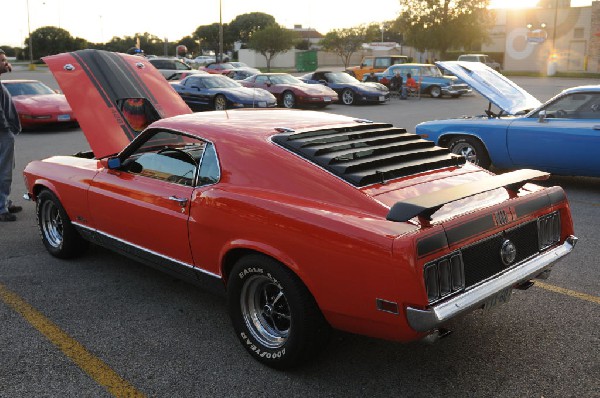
(104, 325)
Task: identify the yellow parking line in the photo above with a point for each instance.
(572, 293)
(98, 370)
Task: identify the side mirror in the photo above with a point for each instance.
(542, 117)
(114, 163)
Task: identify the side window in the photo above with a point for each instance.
(181, 66)
(368, 62)
(574, 106)
(210, 172)
(261, 80)
(382, 62)
(175, 160)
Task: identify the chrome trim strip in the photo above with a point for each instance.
(146, 250)
(426, 320)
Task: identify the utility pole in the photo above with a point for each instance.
(220, 59)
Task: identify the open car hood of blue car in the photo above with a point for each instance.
(498, 89)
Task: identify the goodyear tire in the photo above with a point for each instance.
(472, 149)
(273, 313)
(58, 234)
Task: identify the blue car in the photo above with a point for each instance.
(561, 136)
(207, 92)
(431, 80)
(350, 91)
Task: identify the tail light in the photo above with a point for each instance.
(548, 230)
(444, 276)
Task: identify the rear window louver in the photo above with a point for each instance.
(368, 154)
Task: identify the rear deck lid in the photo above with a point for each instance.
(498, 89)
(114, 96)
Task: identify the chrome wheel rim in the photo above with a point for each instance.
(467, 151)
(51, 224)
(348, 97)
(266, 311)
(288, 100)
(436, 92)
(220, 103)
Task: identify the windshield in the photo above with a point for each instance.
(284, 79)
(28, 88)
(340, 77)
(219, 82)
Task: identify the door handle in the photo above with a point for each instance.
(182, 201)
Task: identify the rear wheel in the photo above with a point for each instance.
(288, 100)
(220, 103)
(58, 234)
(472, 149)
(273, 313)
(348, 97)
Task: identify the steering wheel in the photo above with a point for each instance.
(182, 155)
(560, 113)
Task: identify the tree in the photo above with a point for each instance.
(209, 37)
(271, 41)
(243, 26)
(50, 40)
(443, 24)
(344, 42)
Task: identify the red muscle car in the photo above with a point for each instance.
(306, 221)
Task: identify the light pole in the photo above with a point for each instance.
(220, 58)
(30, 41)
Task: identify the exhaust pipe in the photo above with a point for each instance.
(436, 335)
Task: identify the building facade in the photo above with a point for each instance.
(547, 39)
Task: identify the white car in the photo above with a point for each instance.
(484, 59)
(172, 68)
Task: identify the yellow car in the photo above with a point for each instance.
(375, 64)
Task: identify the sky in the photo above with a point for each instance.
(98, 21)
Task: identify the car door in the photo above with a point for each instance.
(565, 141)
(144, 204)
(195, 93)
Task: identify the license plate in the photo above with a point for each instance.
(262, 104)
(381, 98)
(327, 99)
(64, 118)
(497, 299)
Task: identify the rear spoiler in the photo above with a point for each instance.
(424, 206)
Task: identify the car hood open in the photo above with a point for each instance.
(109, 92)
(498, 89)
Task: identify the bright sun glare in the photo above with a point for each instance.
(512, 3)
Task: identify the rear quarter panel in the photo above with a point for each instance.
(492, 132)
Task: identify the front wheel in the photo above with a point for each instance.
(220, 103)
(472, 149)
(288, 100)
(58, 234)
(435, 92)
(348, 97)
(273, 313)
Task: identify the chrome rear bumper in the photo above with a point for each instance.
(430, 319)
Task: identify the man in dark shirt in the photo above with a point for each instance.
(9, 127)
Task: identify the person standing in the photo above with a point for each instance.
(9, 127)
